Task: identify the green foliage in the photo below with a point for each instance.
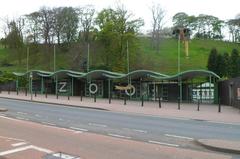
(226, 65)
(234, 63)
(116, 28)
(6, 77)
(213, 61)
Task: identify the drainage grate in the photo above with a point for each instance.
(60, 155)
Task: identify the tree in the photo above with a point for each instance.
(14, 39)
(158, 15)
(86, 21)
(234, 63)
(116, 27)
(46, 21)
(226, 63)
(220, 65)
(212, 61)
(33, 27)
(180, 20)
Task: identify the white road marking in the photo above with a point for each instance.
(221, 122)
(120, 136)
(48, 123)
(21, 118)
(77, 132)
(141, 131)
(41, 149)
(80, 129)
(23, 149)
(163, 143)
(99, 125)
(65, 156)
(19, 144)
(181, 137)
(37, 115)
(10, 138)
(22, 113)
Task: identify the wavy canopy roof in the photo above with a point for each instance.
(103, 74)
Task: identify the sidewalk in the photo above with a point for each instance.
(207, 112)
(221, 145)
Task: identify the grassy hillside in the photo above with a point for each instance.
(164, 61)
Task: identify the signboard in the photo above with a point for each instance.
(62, 87)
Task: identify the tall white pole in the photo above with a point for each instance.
(179, 53)
(88, 58)
(54, 58)
(27, 58)
(127, 58)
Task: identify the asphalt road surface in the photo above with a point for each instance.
(157, 130)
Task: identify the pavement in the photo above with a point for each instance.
(226, 146)
(229, 115)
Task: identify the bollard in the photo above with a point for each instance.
(159, 102)
(125, 99)
(68, 96)
(110, 99)
(198, 105)
(57, 95)
(178, 103)
(26, 92)
(95, 96)
(81, 96)
(35, 94)
(142, 100)
(219, 105)
(17, 91)
(46, 93)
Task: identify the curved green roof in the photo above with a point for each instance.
(101, 74)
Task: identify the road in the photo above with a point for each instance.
(150, 129)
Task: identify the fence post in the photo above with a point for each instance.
(179, 103)
(95, 96)
(125, 99)
(219, 105)
(46, 92)
(35, 93)
(25, 91)
(198, 105)
(68, 96)
(159, 102)
(81, 95)
(142, 100)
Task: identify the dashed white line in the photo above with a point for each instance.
(163, 143)
(22, 113)
(19, 144)
(181, 137)
(21, 118)
(37, 115)
(99, 125)
(120, 136)
(80, 129)
(141, 131)
(47, 123)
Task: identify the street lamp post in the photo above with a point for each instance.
(31, 77)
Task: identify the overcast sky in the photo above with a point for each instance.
(224, 9)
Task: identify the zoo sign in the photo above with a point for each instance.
(62, 87)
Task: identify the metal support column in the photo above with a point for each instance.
(56, 84)
(109, 90)
(42, 85)
(72, 86)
